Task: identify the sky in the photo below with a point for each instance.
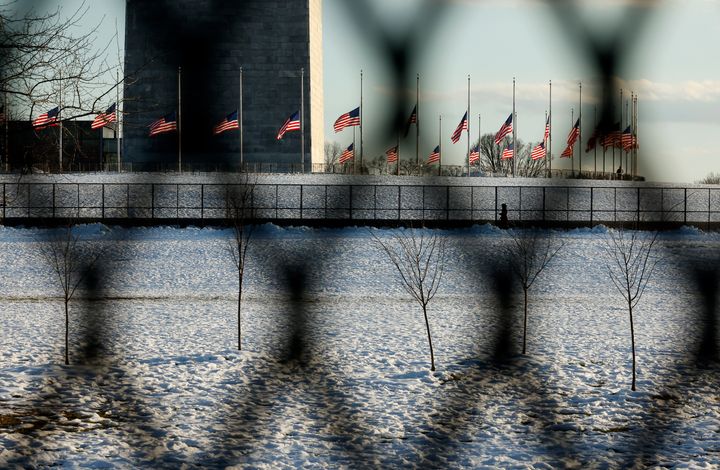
(669, 61)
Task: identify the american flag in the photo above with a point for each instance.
(347, 154)
(463, 126)
(392, 155)
(574, 133)
(434, 156)
(291, 124)
(628, 139)
(506, 129)
(347, 120)
(230, 122)
(474, 155)
(167, 123)
(538, 151)
(411, 120)
(612, 138)
(592, 141)
(547, 129)
(568, 152)
(509, 152)
(48, 119)
(103, 119)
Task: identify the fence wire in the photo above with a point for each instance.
(398, 50)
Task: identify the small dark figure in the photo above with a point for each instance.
(619, 172)
(503, 216)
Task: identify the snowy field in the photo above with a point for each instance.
(170, 389)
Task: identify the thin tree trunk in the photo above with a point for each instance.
(239, 320)
(525, 322)
(632, 339)
(427, 326)
(67, 328)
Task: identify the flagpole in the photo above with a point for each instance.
(468, 129)
(621, 129)
(635, 142)
(179, 120)
(397, 149)
(354, 162)
(627, 121)
(302, 119)
(117, 119)
(361, 120)
(417, 120)
(548, 155)
(60, 149)
(240, 120)
(514, 162)
(440, 146)
(580, 134)
(572, 124)
(595, 133)
(7, 119)
(479, 147)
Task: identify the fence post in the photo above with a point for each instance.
(4, 201)
(53, 201)
(496, 204)
(177, 202)
(351, 199)
(543, 209)
(399, 202)
(375, 202)
(301, 201)
(447, 202)
(78, 200)
(685, 208)
(102, 212)
(152, 201)
(520, 205)
(638, 208)
(202, 202)
(127, 200)
(592, 194)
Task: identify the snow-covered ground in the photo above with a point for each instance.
(172, 391)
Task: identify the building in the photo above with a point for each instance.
(210, 41)
(84, 149)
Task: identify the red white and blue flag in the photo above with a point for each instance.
(538, 151)
(392, 155)
(230, 122)
(291, 124)
(347, 154)
(628, 140)
(474, 155)
(348, 119)
(167, 123)
(505, 130)
(509, 152)
(48, 119)
(411, 120)
(547, 129)
(103, 119)
(434, 156)
(568, 152)
(463, 126)
(574, 133)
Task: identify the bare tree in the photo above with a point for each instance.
(630, 264)
(419, 258)
(71, 260)
(333, 150)
(491, 160)
(530, 253)
(240, 212)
